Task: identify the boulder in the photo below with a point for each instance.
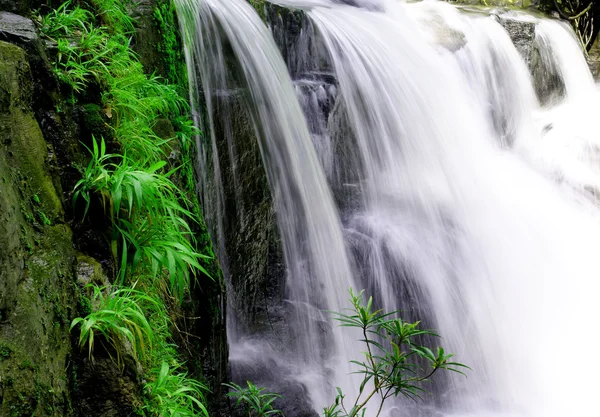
(17, 29)
(521, 32)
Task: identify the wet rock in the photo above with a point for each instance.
(104, 389)
(267, 371)
(297, 38)
(23, 6)
(17, 29)
(89, 271)
(36, 257)
(548, 82)
(147, 35)
(522, 34)
(594, 59)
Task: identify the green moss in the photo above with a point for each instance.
(95, 123)
(36, 260)
(5, 352)
(169, 46)
(259, 6)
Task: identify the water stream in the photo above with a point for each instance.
(437, 182)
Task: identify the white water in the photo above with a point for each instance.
(318, 271)
(476, 207)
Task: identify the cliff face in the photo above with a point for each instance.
(47, 254)
(37, 260)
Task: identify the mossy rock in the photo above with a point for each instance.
(94, 124)
(36, 258)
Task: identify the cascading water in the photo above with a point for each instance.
(462, 201)
(315, 256)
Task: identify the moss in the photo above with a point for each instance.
(94, 123)
(28, 149)
(5, 352)
(259, 6)
(169, 47)
(37, 259)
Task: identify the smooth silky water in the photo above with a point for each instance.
(453, 195)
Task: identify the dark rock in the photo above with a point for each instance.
(548, 82)
(522, 34)
(147, 35)
(296, 37)
(23, 6)
(103, 389)
(36, 257)
(594, 59)
(17, 29)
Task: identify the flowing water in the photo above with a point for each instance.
(437, 182)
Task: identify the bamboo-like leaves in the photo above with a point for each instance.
(173, 394)
(257, 401)
(119, 317)
(394, 363)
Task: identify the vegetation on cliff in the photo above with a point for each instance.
(580, 13)
(131, 175)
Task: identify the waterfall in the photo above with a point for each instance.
(437, 182)
(318, 271)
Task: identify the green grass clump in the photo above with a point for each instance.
(173, 394)
(151, 233)
(256, 400)
(119, 317)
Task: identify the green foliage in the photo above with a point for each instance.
(63, 22)
(119, 317)
(145, 211)
(82, 50)
(173, 394)
(259, 6)
(256, 400)
(150, 235)
(169, 47)
(114, 14)
(393, 364)
(5, 352)
(580, 13)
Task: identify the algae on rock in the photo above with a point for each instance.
(36, 257)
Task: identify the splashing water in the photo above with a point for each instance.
(462, 201)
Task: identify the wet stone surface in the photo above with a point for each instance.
(16, 29)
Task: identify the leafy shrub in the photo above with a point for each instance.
(119, 318)
(256, 400)
(393, 364)
(173, 394)
(150, 236)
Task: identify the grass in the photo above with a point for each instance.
(118, 317)
(151, 236)
(173, 394)
(256, 400)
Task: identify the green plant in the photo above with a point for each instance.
(169, 46)
(63, 21)
(114, 13)
(151, 223)
(259, 6)
(173, 394)
(256, 400)
(393, 364)
(580, 13)
(5, 352)
(119, 318)
(82, 48)
(145, 211)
